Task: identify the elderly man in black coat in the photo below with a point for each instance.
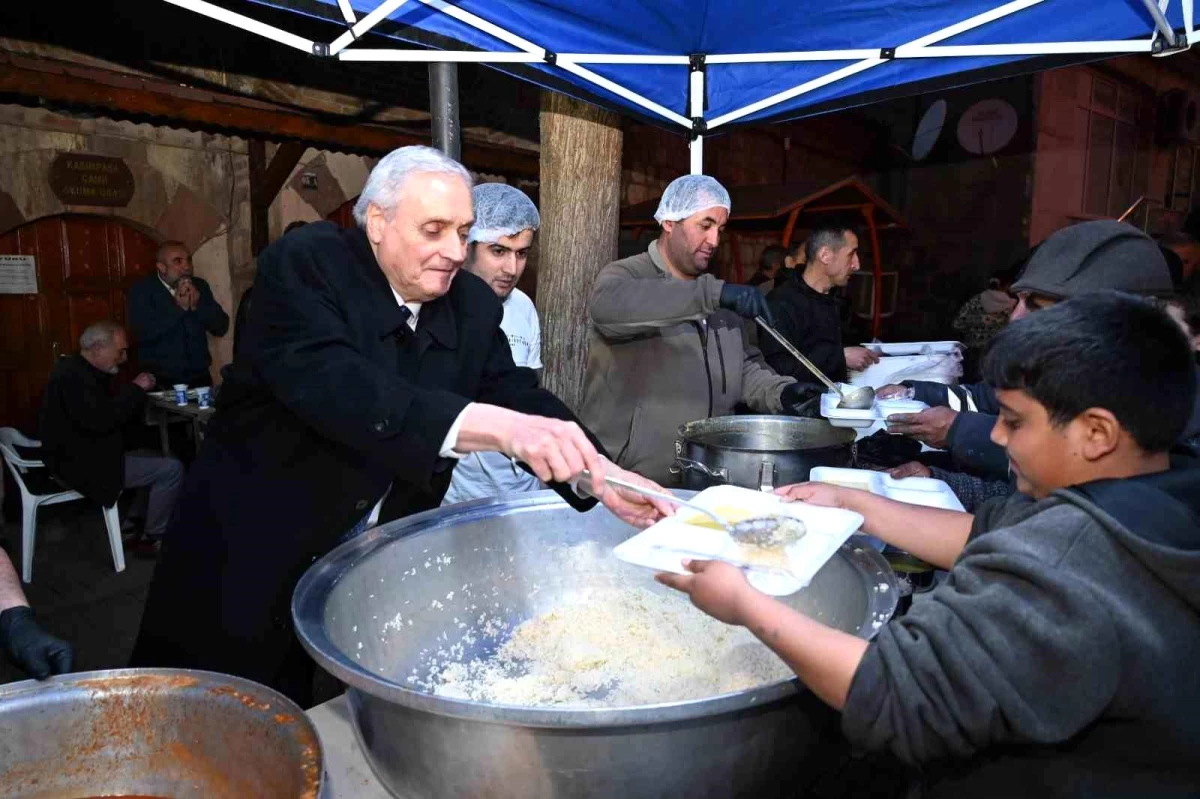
(373, 363)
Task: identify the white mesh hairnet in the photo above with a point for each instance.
(501, 210)
(688, 194)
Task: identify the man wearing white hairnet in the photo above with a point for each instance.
(497, 251)
(667, 343)
(372, 365)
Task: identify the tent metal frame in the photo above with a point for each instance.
(1163, 40)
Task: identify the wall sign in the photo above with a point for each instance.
(82, 179)
(18, 274)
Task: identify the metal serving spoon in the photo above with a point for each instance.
(757, 531)
(856, 399)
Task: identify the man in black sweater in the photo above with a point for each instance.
(172, 312)
(83, 419)
(1058, 657)
(808, 312)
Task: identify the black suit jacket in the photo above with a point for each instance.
(332, 400)
(82, 423)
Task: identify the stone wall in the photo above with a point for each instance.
(188, 186)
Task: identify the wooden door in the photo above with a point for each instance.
(85, 265)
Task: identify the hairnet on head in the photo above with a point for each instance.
(689, 194)
(501, 210)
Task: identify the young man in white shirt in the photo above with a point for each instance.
(498, 251)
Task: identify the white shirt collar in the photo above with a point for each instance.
(166, 286)
(413, 307)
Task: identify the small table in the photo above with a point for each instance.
(161, 406)
(346, 769)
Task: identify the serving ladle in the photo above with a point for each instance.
(756, 531)
(861, 398)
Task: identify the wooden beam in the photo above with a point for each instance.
(201, 110)
(265, 182)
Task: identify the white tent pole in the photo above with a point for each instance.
(853, 69)
(696, 92)
(1160, 21)
(1187, 18)
(1051, 48)
(360, 28)
(347, 11)
(485, 26)
(434, 56)
(621, 91)
(799, 55)
(616, 58)
(247, 24)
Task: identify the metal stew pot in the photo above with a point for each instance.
(759, 452)
(155, 732)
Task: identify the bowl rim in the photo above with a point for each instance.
(314, 588)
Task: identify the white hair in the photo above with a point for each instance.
(389, 175)
(98, 334)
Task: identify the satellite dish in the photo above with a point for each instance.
(928, 130)
(987, 127)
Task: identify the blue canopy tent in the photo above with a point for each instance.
(702, 67)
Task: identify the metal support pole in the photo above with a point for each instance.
(1160, 22)
(443, 106)
(696, 88)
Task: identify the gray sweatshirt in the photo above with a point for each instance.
(662, 353)
(1060, 658)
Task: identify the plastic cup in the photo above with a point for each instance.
(181, 394)
(203, 397)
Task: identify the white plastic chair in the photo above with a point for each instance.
(10, 439)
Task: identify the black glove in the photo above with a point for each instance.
(746, 301)
(802, 399)
(30, 647)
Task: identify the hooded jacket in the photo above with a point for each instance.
(1059, 657)
(663, 354)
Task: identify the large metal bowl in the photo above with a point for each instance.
(155, 732)
(759, 743)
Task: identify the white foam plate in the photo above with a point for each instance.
(843, 417)
(914, 347)
(924, 491)
(665, 545)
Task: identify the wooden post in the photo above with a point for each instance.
(876, 256)
(580, 196)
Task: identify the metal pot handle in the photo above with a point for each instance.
(685, 465)
(766, 477)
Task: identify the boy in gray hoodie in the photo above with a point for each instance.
(1059, 657)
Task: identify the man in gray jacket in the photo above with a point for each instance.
(667, 343)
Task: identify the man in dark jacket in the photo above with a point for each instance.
(808, 311)
(1058, 657)
(1083, 258)
(372, 364)
(83, 419)
(171, 313)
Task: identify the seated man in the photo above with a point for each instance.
(497, 250)
(667, 344)
(808, 311)
(171, 314)
(27, 645)
(1060, 651)
(83, 417)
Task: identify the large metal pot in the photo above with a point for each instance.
(431, 567)
(759, 452)
(155, 732)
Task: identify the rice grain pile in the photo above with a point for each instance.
(609, 643)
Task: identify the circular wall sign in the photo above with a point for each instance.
(987, 127)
